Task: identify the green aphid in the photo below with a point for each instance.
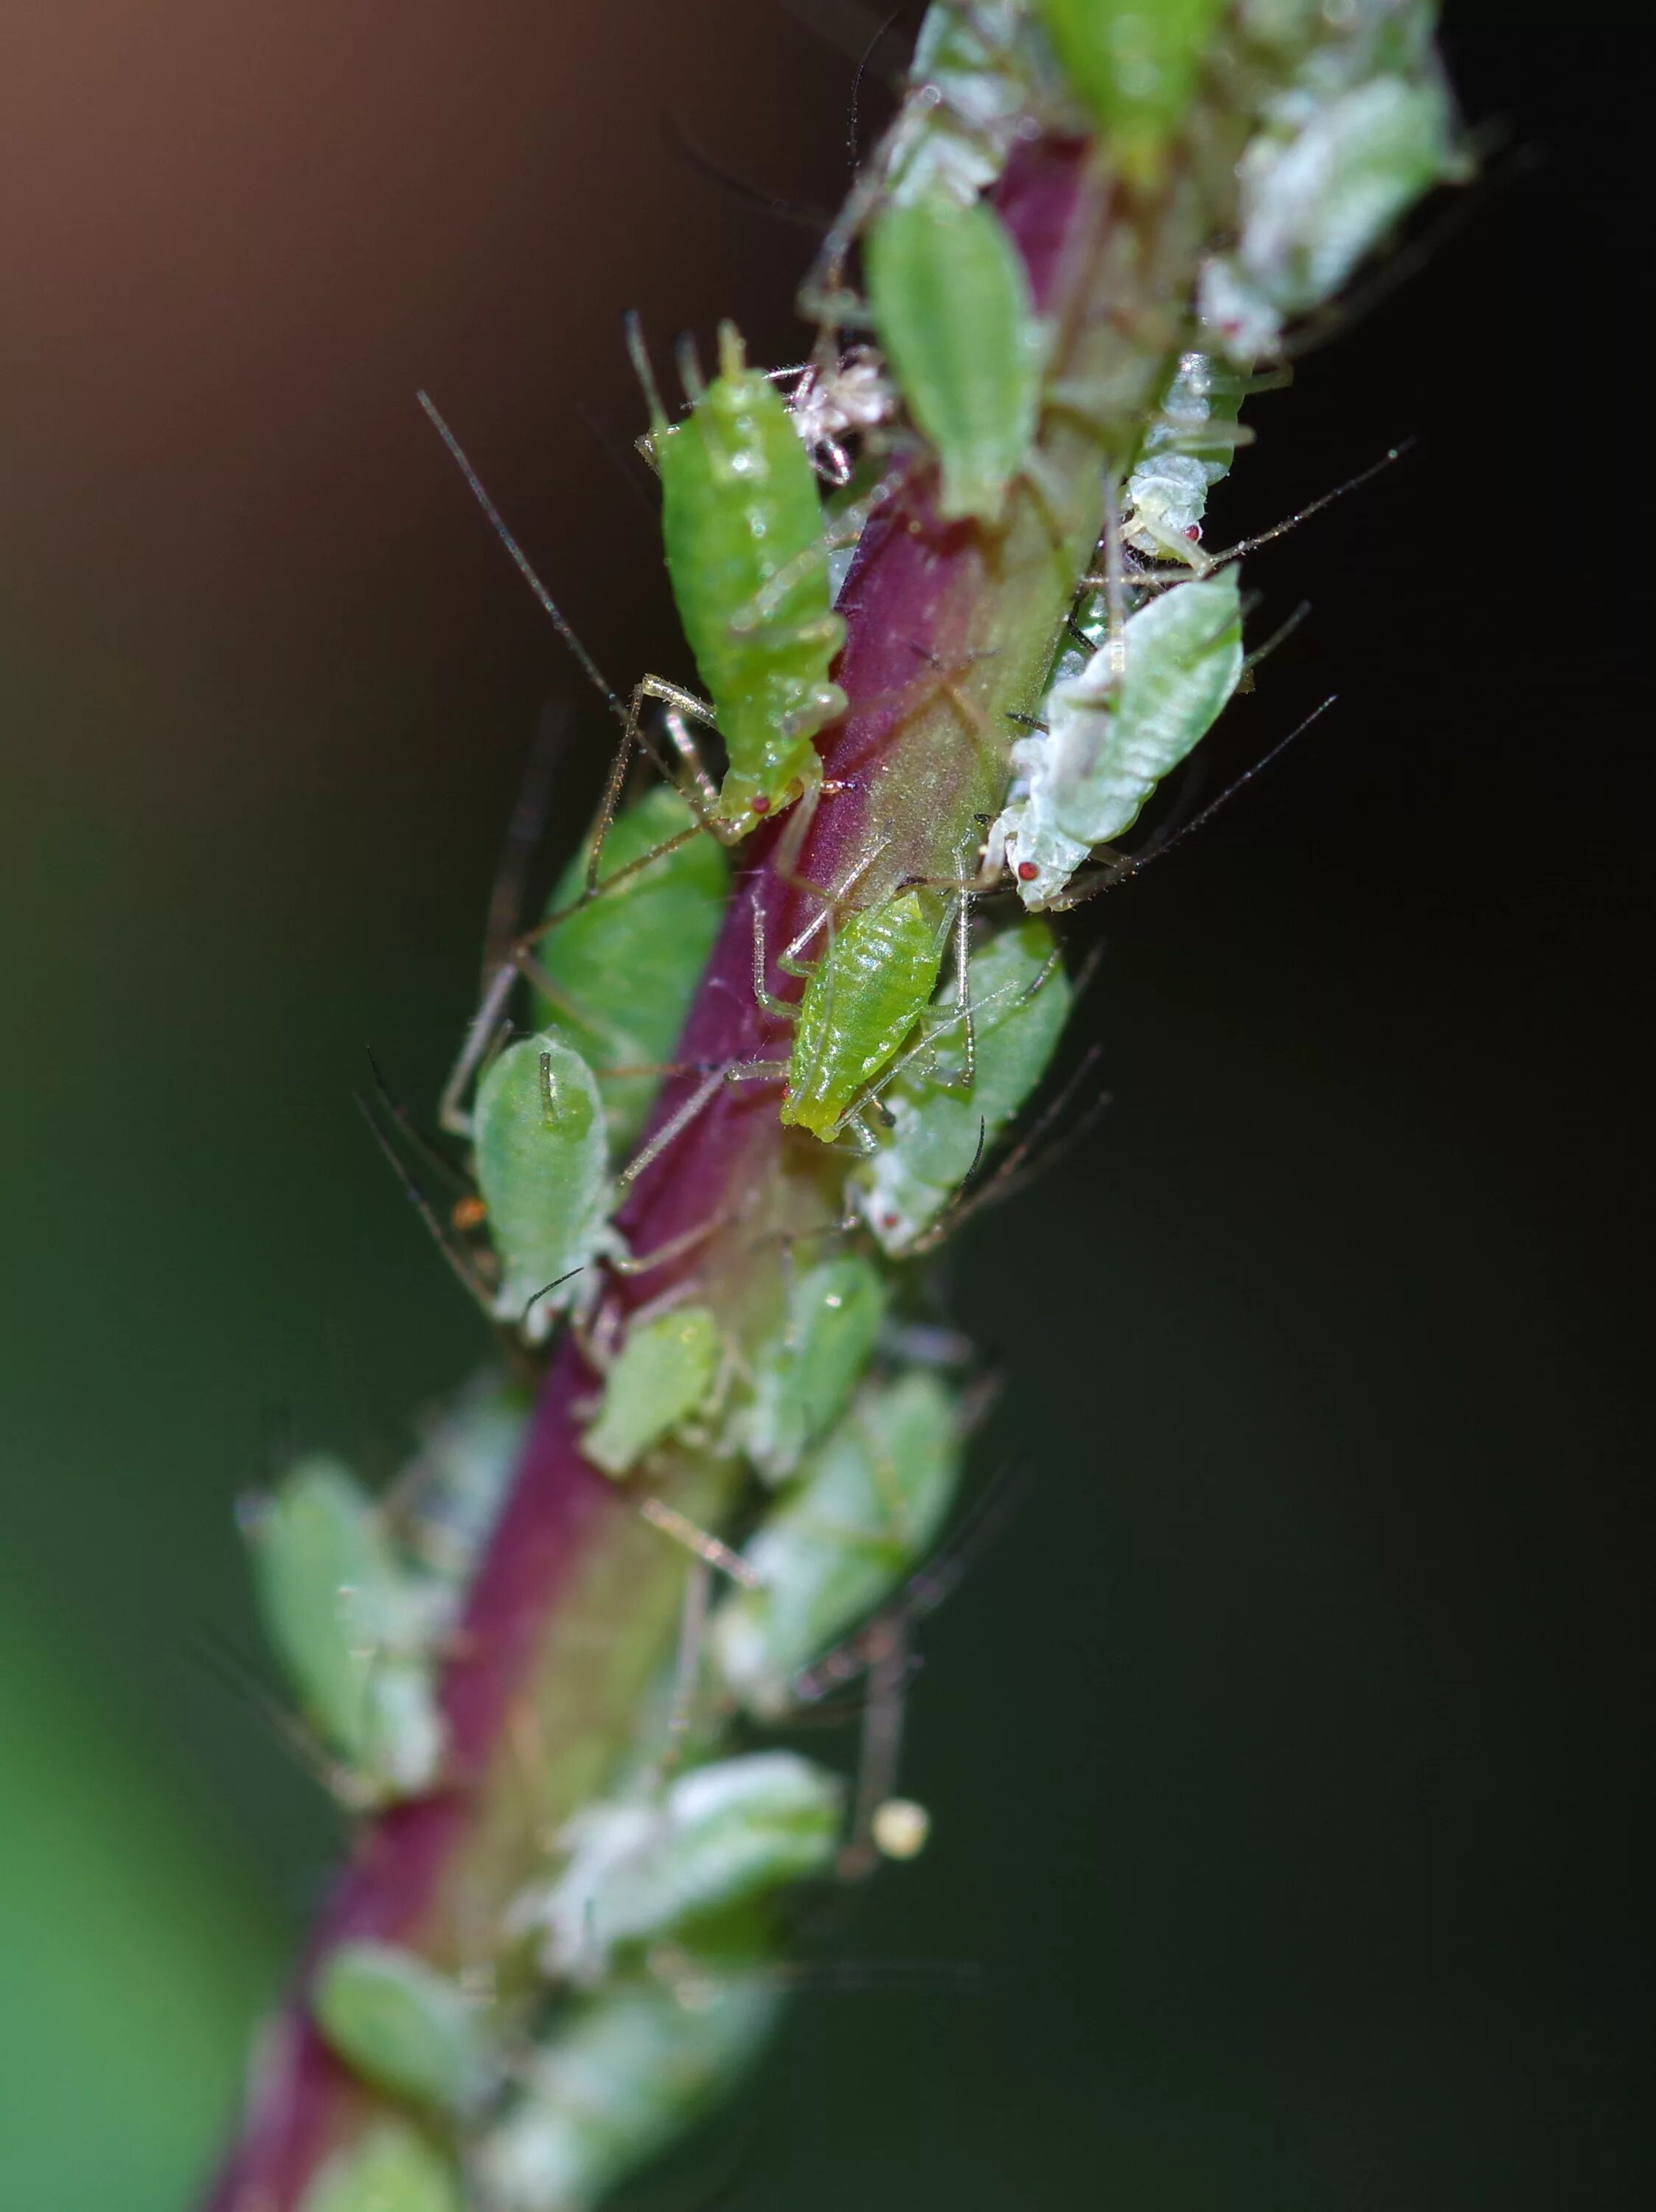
(639, 1868)
(951, 302)
(748, 559)
(354, 1630)
(625, 965)
(391, 2168)
(803, 1376)
(861, 1003)
(867, 1507)
(1020, 1001)
(1135, 65)
(616, 2080)
(401, 2026)
(542, 1171)
(1188, 448)
(664, 1374)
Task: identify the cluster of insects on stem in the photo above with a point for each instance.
(919, 1032)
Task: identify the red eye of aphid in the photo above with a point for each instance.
(1194, 533)
(761, 804)
(889, 1220)
(1027, 872)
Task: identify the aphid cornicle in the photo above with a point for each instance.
(664, 1374)
(401, 2025)
(1020, 1001)
(354, 1630)
(748, 561)
(542, 1167)
(640, 1868)
(619, 2077)
(951, 302)
(390, 2168)
(861, 1002)
(1138, 707)
(625, 964)
(868, 1505)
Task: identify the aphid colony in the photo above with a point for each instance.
(915, 1045)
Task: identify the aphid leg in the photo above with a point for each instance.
(641, 1263)
(1007, 1177)
(460, 1262)
(522, 834)
(1280, 635)
(481, 1032)
(688, 1663)
(696, 1541)
(782, 1009)
(832, 901)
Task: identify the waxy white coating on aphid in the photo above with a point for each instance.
(390, 2168)
(640, 1868)
(1313, 205)
(401, 2025)
(867, 1507)
(803, 1376)
(1167, 494)
(662, 1377)
(544, 1173)
(617, 2078)
(1139, 706)
(353, 1629)
(1021, 1000)
(966, 104)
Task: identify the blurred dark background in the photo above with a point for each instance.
(1287, 1753)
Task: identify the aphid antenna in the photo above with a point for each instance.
(1204, 564)
(1007, 1176)
(880, 1753)
(589, 667)
(1128, 864)
(696, 157)
(523, 832)
(1280, 635)
(460, 1263)
(412, 1132)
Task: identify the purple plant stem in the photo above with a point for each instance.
(914, 605)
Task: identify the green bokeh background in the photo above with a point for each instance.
(1283, 1754)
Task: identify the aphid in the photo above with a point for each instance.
(1134, 64)
(950, 300)
(743, 530)
(401, 2026)
(1020, 1001)
(543, 1168)
(619, 2076)
(803, 1376)
(623, 966)
(390, 2168)
(666, 1373)
(867, 1506)
(1314, 203)
(639, 1868)
(353, 1629)
(1186, 450)
(863, 1001)
(1144, 700)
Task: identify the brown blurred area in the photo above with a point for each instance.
(1280, 1755)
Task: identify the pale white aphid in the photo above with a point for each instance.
(1111, 732)
(638, 1866)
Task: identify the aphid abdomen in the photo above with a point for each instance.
(1134, 64)
(861, 1002)
(626, 965)
(739, 507)
(543, 1170)
(951, 302)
